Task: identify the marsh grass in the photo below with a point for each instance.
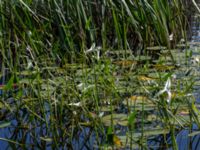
(79, 77)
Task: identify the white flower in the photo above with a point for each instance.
(195, 60)
(91, 49)
(171, 37)
(30, 64)
(101, 114)
(96, 49)
(167, 90)
(74, 112)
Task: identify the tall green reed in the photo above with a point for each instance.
(68, 28)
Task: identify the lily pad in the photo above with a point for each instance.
(152, 117)
(116, 119)
(117, 141)
(125, 140)
(106, 108)
(142, 58)
(184, 112)
(154, 132)
(134, 100)
(146, 78)
(139, 98)
(156, 48)
(27, 73)
(118, 52)
(163, 67)
(126, 63)
(139, 103)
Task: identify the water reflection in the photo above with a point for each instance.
(186, 142)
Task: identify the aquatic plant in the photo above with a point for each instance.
(77, 74)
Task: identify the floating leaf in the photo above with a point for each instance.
(106, 108)
(145, 107)
(61, 70)
(117, 141)
(156, 48)
(73, 66)
(120, 119)
(139, 103)
(137, 99)
(126, 140)
(146, 78)
(184, 112)
(27, 73)
(152, 117)
(93, 114)
(118, 52)
(123, 123)
(142, 58)
(151, 132)
(156, 132)
(163, 67)
(126, 63)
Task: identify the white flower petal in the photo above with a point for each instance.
(167, 90)
(101, 114)
(75, 104)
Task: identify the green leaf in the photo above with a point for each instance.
(19, 94)
(9, 84)
(110, 130)
(5, 124)
(131, 119)
(2, 105)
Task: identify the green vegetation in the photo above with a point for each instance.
(82, 73)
